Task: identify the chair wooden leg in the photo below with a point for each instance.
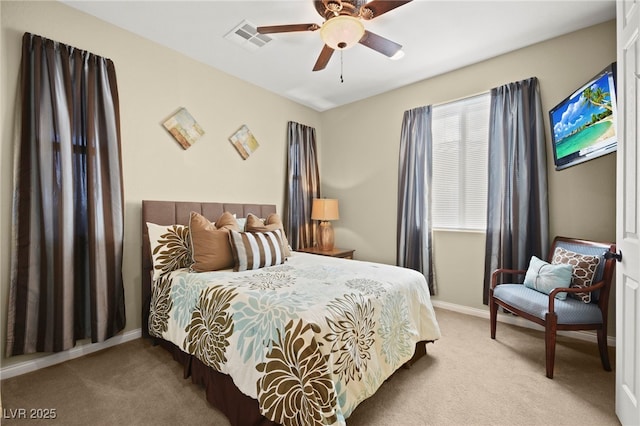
(604, 349)
(550, 342)
(493, 315)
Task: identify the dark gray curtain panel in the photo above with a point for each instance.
(303, 184)
(413, 238)
(517, 201)
(66, 266)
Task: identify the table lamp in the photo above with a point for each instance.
(324, 210)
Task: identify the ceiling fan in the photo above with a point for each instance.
(343, 27)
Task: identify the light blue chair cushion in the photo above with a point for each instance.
(569, 311)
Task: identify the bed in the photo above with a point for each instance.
(302, 340)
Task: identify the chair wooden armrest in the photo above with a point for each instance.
(552, 295)
(502, 271)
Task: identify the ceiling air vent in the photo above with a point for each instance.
(246, 35)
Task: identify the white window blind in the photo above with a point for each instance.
(460, 132)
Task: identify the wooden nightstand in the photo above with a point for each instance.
(336, 252)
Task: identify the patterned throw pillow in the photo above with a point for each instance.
(254, 250)
(584, 269)
(170, 248)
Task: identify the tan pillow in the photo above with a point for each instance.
(227, 221)
(271, 223)
(210, 243)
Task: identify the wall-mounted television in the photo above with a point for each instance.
(583, 126)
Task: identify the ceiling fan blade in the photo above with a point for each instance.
(376, 8)
(380, 44)
(323, 59)
(287, 28)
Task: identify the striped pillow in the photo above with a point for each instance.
(254, 250)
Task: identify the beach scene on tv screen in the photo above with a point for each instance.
(584, 124)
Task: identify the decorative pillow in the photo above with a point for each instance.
(242, 222)
(254, 250)
(584, 269)
(271, 223)
(210, 243)
(544, 277)
(227, 221)
(170, 248)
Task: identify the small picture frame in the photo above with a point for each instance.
(244, 141)
(184, 128)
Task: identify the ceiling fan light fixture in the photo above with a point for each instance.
(342, 32)
(398, 55)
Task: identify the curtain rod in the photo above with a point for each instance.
(462, 98)
(477, 94)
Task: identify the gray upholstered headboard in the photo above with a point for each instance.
(178, 212)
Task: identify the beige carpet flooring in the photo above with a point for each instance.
(465, 379)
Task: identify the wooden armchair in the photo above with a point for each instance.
(585, 308)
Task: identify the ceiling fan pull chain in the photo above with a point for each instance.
(341, 66)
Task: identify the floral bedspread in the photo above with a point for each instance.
(309, 339)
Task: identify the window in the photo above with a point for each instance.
(460, 132)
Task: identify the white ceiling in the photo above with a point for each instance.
(437, 36)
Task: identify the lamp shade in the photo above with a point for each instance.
(342, 32)
(325, 209)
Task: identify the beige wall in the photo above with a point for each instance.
(358, 143)
(153, 82)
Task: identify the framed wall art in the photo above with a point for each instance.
(184, 128)
(244, 141)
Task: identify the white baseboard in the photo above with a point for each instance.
(588, 336)
(59, 357)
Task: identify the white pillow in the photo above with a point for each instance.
(242, 222)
